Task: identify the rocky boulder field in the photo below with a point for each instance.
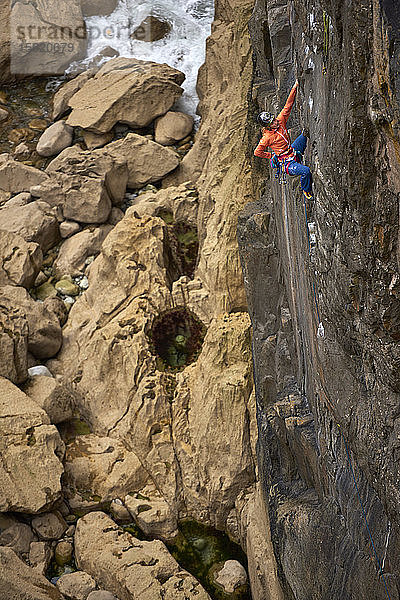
(126, 399)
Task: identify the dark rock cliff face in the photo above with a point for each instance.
(323, 288)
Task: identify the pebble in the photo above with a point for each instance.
(46, 290)
(84, 283)
(39, 370)
(71, 518)
(70, 531)
(67, 287)
(63, 553)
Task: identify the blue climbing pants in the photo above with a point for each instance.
(295, 168)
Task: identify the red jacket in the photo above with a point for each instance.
(278, 140)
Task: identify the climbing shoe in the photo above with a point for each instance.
(308, 196)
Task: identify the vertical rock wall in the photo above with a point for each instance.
(326, 316)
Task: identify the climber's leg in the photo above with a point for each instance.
(300, 144)
(295, 168)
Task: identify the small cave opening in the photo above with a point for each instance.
(176, 338)
(183, 246)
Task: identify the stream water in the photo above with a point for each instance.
(183, 47)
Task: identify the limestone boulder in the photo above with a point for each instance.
(18, 581)
(49, 526)
(40, 555)
(96, 140)
(92, 8)
(67, 90)
(232, 576)
(68, 228)
(76, 586)
(213, 420)
(35, 222)
(84, 184)
(18, 537)
(16, 177)
(56, 398)
(13, 342)
(44, 330)
(76, 249)
(20, 261)
(147, 161)
(172, 127)
(19, 200)
(104, 466)
(47, 17)
(130, 568)
(180, 201)
(56, 138)
(128, 90)
(31, 452)
(153, 514)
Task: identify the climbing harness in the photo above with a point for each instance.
(325, 53)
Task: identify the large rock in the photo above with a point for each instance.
(84, 184)
(104, 466)
(18, 537)
(44, 330)
(180, 201)
(213, 421)
(13, 342)
(55, 398)
(76, 249)
(172, 127)
(76, 586)
(31, 451)
(35, 222)
(153, 514)
(232, 576)
(56, 138)
(49, 526)
(130, 568)
(131, 91)
(91, 8)
(59, 20)
(151, 29)
(16, 177)
(20, 582)
(20, 261)
(147, 161)
(66, 91)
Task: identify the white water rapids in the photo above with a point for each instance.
(183, 48)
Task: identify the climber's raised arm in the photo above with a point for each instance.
(285, 112)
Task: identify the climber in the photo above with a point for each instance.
(284, 156)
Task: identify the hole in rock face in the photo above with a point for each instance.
(177, 336)
(183, 247)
